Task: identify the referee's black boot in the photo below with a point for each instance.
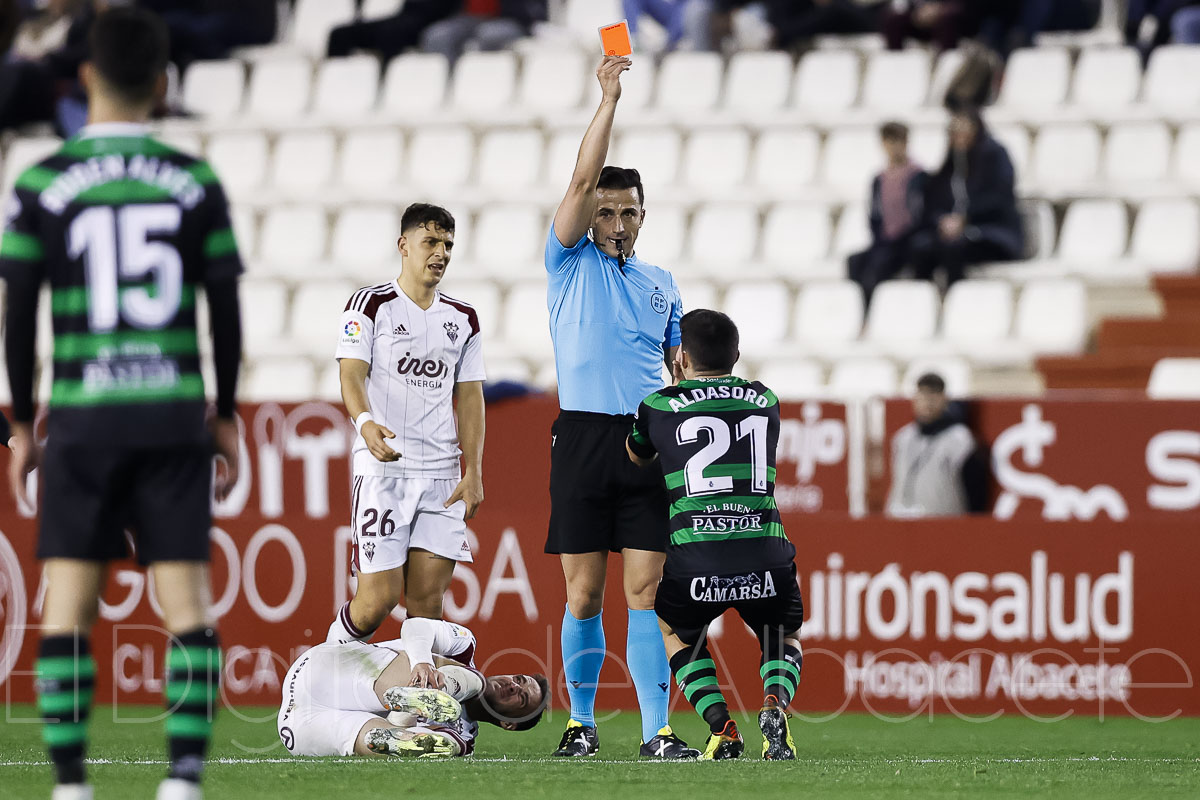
(667, 745)
(724, 745)
(578, 740)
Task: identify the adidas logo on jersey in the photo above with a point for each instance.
(400, 330)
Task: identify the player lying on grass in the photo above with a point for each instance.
(716, 435)
(419, 695)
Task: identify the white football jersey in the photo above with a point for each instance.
(416, 357)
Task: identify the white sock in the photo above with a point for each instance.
(343, 630)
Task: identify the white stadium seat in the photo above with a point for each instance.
(1052, 316)
(484, 82)
(828, 313)
(1037, 218)
(852, 158)
(346, 87)
(710, 239)
(316, 315)
(510, 159)
(182, 140)
(760, 310)
(279, 89)
(653, 152)
(1093, 231)
(954, 370)
(281, 380)
(484, 296)
(927, 146)
(440, 157)
(896, 80)
(245, 230)
(240, 160)
(1107, 79)
(661, 239)
(553, 81)
(1175, 379)
(697, 294)
(365, 235)
(826, 81)
(1166, 235)
(1170, 84)
(584, 17)
(214, 89)
(561, 155)
(293, 237)
(689, 82)
(944, 70)
(903, 315)
(303, 161)
(527, 320)
(794, 234)
(757, 82)
(853, 232)
(509, 239)
(1137, 154)
(1036, 80)
(371, 159)
(785, 160)
(1066, 157)
(263, 328)
(1185, 165)
(792, 379)
(637, 87)
(858, 378)
(314, 19)
(716, 160)
(1015, 140)
(415, 76)
(329, 384)
(977, 312)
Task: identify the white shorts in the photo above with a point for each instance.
(390, 516)
(328, 695)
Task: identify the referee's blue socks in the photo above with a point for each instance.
(583, 656)
(647, 659)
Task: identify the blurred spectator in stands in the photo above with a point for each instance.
(976, 80)
(391, 36)
(897, 213)
(942, 22)
(796, 22)
(208, 29)
(1005, 25)
(972, 204)
(686, 22)
(1155, 22)
(487, 24)
(26, 87)
(937, 469)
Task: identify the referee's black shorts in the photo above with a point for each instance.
(92, 494)
(599, 499)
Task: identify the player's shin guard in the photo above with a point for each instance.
(781, 663)
(583, 656)
(193, 687)
(647, 660)
(696, 674)
(343, 629)
(66, 674)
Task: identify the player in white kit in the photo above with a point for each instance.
(407, 352)
(357, 698)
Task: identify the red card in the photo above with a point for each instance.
(614, 39)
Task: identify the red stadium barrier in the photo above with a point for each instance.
(972, 616)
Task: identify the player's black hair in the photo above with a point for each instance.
(128, 47)
(480, 711)
(932, 382)
(710, 339)
(622, 178)
(425, 213)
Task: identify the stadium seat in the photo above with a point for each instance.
(689, 82)
(1107, 80)
(785, 160)
(860, 378)
(240, 160)
(927, 146)
(552, 81)
(653, 152)
(793, 235)
(757, 83)
(1185, 165)
(371, 160)
(853, 232)
(302, 162)
(955, 371)
(346, 87)
(715, 161)
(281, 380)
(792, 380)
(429, 71)
(760, 310)
(182, 140)
(263, 330)
(484, 296)
(976, 312)
(826, 82)
(718, 231)
(1052, 317)
(1093, 231)
(484, 83)
(561, 155)
(1015, 139)
(527, 320)
(1170, 86)
(662, 236)
(584, 17)
(316, 315)
(1036, 80)
(279, 89)
(944, 70)
(214, 89)
(852, 158)
(510, 159)
(329, 384)
(896, 81)
(697, 294)
(245, 230)
(440, 158)
(829, 314)
(1166, 235)
(1137, 156)
(1066, 158)
(314, 19)
(1175, 379)
(509, 239)
(903, 315)
(365, 236)
(1037, 219)
(637, 89)
(293, 238)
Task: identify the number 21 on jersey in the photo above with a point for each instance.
(719, 441)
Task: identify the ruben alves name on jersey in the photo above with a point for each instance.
(716, 439)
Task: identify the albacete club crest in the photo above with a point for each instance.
(369, 550)
(451, 331)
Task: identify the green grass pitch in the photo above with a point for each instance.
(851, 755)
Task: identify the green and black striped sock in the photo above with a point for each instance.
(696, 674)
(66, 676)
(780, 672)
(192, 691)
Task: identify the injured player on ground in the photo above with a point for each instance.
(419, 696)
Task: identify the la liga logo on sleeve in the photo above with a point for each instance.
(352, 332)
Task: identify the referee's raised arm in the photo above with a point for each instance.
(575, 212)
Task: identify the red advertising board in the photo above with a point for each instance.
(969, 616)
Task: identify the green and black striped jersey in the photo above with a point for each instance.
(716, 439)
(125, 230)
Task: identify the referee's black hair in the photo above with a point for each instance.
(424, 213)
(710, 339)
(622, 178)
(129, 47)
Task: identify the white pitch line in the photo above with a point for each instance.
(865, 761)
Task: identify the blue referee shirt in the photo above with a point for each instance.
(609, 329)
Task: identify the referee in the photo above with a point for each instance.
(615, 322)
